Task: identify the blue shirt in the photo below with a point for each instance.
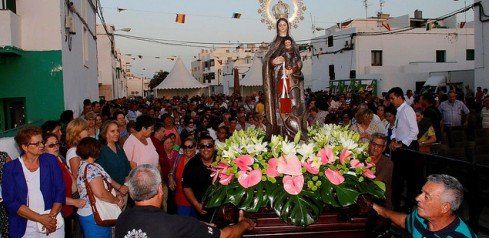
(452, 112)
(418, 227)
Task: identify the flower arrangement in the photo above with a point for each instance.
(296, 179)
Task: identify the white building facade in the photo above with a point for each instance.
(399, 51)
(112, 67)
(137, 86)
(481, 44)
(49, 55)
(215, 67)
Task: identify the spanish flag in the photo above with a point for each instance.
(180, 18)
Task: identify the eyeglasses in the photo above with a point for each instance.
(207, 146)
(377, 145)
(52, 145)
(38, 144)
(188, 147)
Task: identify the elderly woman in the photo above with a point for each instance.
(112, 156)
(184, 208)
(367, 124)
(29, 201)
(94, 174)
(75, 131)
(138, 147)
(51, 146)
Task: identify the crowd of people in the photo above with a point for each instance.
(159, 151)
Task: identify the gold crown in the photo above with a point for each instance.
(281, 10)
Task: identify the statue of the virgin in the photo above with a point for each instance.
(283, 84)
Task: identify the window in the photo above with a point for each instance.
(441, 56)
(212, 63)
(13, 113)
(332, 75)
(85, 46)
(330, 41)
(470, 55)
(376, 58)
(8, 5)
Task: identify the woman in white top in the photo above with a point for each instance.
(89, 149)
(75, 131)
(138, 147)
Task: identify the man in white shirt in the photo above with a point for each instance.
(404, 135)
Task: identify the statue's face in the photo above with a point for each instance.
(288, 44)
(282, 28)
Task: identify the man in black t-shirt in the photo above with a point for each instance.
(197, 176)
(146, 219)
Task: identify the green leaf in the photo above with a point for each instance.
(374, 188)
(215, 196)
(326, 193)
(346, 196)
(254, 198)
(297, 137)
(299, 210)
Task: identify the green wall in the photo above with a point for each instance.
(37, 76)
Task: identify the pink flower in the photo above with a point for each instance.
(289, 165)
(354, 163)
(293, 184)
(310, 167)
(326, 155)
(249, 179)
(345, 154)
(272, 168)
(217, 171)
(370, 165)
(334, 176)
(244, 162)
(369, 174)
(225, 179)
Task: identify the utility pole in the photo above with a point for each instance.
(365, 4)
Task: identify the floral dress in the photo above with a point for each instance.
(3, 211)
(94, 170)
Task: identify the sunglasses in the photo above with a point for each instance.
(208, 146)
(188, 146)
(52, 145)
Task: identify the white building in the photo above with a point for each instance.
(49, 59)
(481, 44)
(213, 67)
(112, 67)
(137, 86)
(394, 51)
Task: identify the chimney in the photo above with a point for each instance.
(418, 14)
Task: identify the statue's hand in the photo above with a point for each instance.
(278, 60)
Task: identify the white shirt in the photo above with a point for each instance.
(35, 200)
(405, 128)
(70, 154)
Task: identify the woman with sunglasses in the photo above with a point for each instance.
(51, 146)
(184, 208)
(33, 206)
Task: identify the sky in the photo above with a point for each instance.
(210, 21)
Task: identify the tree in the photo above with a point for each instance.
(158, 78)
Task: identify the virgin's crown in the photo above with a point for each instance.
(281, 10)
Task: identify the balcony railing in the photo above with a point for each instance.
(10, 29)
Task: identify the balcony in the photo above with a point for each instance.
(10, 29)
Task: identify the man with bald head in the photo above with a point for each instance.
(146, 219)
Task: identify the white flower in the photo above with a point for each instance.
(306, 150)
(288, 148)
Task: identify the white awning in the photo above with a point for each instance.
(254, 76)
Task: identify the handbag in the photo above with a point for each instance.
(104, 213)
(285, 101)
(59, 222)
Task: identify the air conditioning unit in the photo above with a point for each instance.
(70, 24)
